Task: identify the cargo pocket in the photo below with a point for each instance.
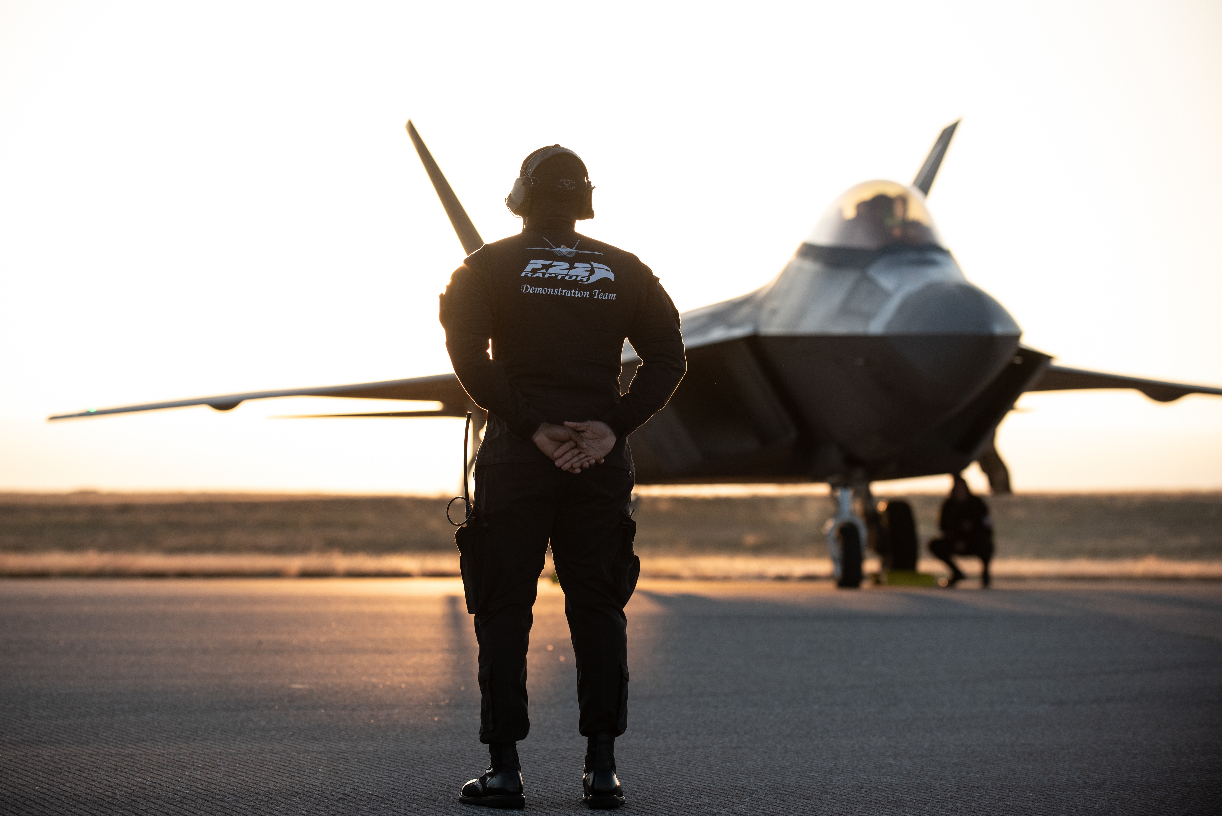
(486, 723)
(472, 541)
(627, 567)
(622, 725)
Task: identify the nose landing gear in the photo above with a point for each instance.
(887, 528)
(846, 538)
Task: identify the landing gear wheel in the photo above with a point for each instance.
(901, 535)
(850, 557)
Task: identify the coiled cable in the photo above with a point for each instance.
(465, 498)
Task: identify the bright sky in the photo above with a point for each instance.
(202, 198)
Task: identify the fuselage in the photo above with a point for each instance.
(870, 337)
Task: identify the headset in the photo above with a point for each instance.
(519, 196)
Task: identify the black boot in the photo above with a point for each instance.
(984, 576)
(501, 784)
(602, 788)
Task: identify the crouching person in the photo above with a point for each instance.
(967, 529)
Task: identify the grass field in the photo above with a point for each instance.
(1156, 534)
(1184, 526)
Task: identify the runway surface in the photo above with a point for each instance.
(358, 696)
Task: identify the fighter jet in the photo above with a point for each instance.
(869, 357)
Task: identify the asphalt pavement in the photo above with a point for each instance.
(347, 696)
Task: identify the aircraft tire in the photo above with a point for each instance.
(902, 535)
(850, 557)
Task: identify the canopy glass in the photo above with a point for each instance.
(876, 214)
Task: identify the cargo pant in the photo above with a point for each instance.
(518, 509)
(980, 545)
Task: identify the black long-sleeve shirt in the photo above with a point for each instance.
(967, 520)
(557, 307)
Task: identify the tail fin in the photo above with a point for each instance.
(467, 234)
(924, 177)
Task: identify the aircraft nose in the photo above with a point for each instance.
(954, 338)
(948, 307)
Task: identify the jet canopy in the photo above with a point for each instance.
(876, 214)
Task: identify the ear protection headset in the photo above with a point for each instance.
(519, 196)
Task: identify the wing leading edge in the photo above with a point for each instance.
(443, 388)
(1060, 378)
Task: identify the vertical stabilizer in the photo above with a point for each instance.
(924, 177)
(468, 236)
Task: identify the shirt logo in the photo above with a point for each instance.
(563, 251)
(562, 271)
(592, 294)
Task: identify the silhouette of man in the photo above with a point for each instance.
(966, 530)
(554, 465)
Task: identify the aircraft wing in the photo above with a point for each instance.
(1060, 378)
(443, 388)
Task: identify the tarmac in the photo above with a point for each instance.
(347, 696)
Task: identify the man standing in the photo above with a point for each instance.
(554, 464)
(966, 530)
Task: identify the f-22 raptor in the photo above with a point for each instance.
(869, 357)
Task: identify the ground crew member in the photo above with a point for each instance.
(967, 529)
(555, 463)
